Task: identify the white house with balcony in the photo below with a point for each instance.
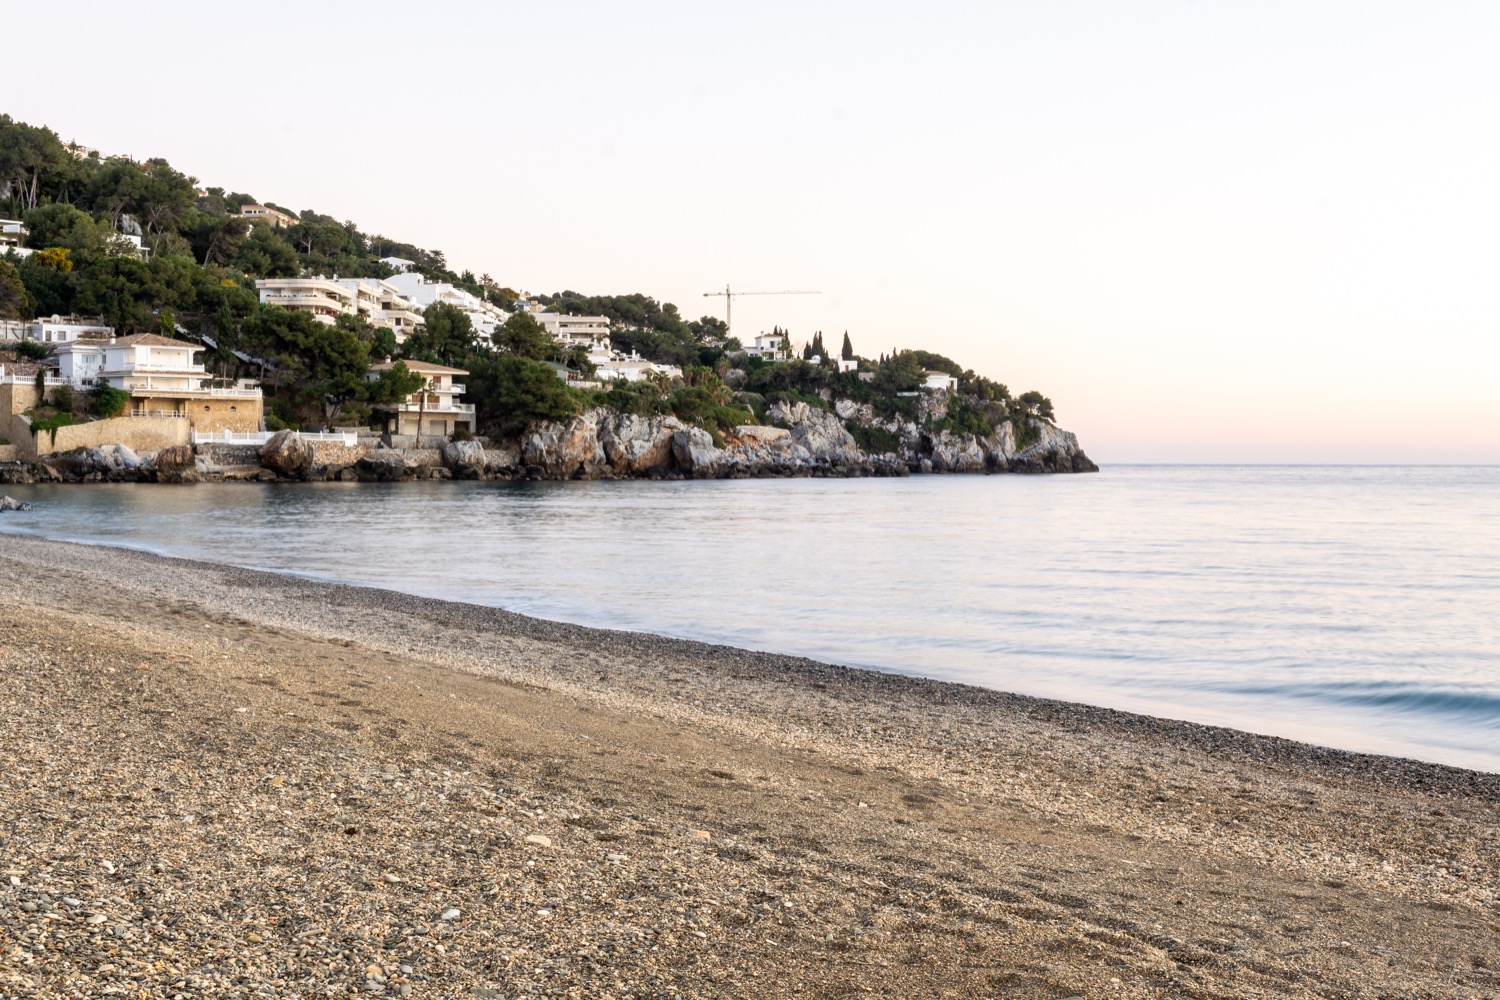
(78, 362)
(771, 346)
(268, 215)
(56, 329)
(163, 380)
(13, 237)
(485, 316)
(590, 331)
(329, 298)
(433, 410)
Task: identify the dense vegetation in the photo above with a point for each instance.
(199, 281)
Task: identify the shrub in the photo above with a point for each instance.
(62, 397)
(873, 440)
(31, 350)
(108, 401)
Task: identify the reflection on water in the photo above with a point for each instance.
(1348, 606)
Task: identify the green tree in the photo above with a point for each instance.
(446, 338)
(64, 226)
(1036, 404)
(15, 300)
(511, 392)
(395, 384)
(847, 351)
(523, 336)
(264, 254)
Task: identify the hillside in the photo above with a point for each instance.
(145, 247)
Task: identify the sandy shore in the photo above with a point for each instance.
(216, 782)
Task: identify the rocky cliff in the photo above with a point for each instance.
(801, 440)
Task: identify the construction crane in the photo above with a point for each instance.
(729, 298)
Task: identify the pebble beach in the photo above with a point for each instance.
(218, 782)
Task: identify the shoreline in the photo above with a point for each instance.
(1202, 735)
(843, 784)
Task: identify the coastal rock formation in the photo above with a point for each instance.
(286, 453)
(694, 452)
(567, 448)
(823, 434)
(638, 446)
(11, 503)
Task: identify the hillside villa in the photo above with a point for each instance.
(329, 298)
(432, 411)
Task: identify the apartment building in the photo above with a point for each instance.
(329, 298)
(486, 316)
(432, 411)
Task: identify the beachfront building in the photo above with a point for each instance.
(485, 316)
(433, 410)
(770, 346)
(163, 380)
(936, 381)
(329, 298)
(589, 331)
(267, 215)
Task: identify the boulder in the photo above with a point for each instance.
(694, 452)
(638, 446)
(286, 453)
(11, 503)
(466, 459)
(178, 458)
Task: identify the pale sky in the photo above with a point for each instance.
(1225, 232)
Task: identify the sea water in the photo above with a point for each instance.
(1357, 607)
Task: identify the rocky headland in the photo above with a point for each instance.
(797, 440)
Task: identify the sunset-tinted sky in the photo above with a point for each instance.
(1208, 231)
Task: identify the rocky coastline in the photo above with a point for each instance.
(798, 440)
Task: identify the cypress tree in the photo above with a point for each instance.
(847, 353)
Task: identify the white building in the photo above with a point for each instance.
(590, 331)
(848, 365)
(434, 409)
(164, 380)
(939, 381)
(79, 361)
(771, 346)
(64, 329)
(268, 215)
(485, 316)
(329, 298)
(13, 237)
(398, 264)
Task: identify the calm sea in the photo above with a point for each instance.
(1357, 607)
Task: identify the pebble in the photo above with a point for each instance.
(699, 834)
(452, 913)
(539, 840)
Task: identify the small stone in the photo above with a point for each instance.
(97, 918)
(614, 857)
(539, 840)
(70, 901)
(451, 913)
(255, 938)
(392, 879)
(29, 906)
(544, 913)
(372, 971)
(699, 834)
(406, 970)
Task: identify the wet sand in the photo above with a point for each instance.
(217, 782)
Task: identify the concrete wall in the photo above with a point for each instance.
(140, 433)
